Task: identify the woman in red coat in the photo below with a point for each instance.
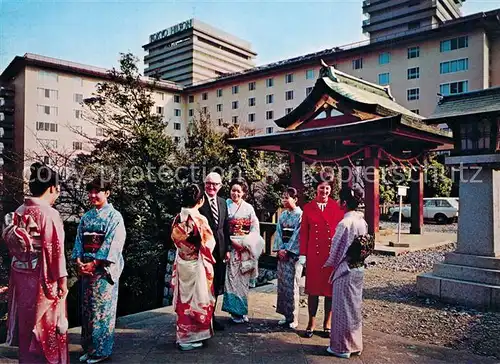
(319, 221)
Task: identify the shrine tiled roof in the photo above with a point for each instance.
(474, 102)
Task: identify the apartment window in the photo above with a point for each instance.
(46, 159)
(252, 86)
(413, 52)
(413, 94)
(47, 76)
(269, 130)
(220, 121)
(177, 140)
(191, 112)
(99, 132)
(413, 73)
(269, 99)
(270, 82)
(204, 110)
(455, 43)
(454, 88)
(177, 99)
(204, 96)
(177, 112)
(289, 78)
(235, 89)
(457, 65)
(289, 95)
(159, 110)
(48, 143)
(78, 81)
(47, 110)
(78, 129)
(288, 110)
(384, 58)
(162, 96)
(415, 111)
(269, 115)
(308, 90)
(78, 114)
(234, 105)
(251, 101)
(219, 107)
(384, 79)
(48, 93)
(309, 74)
(44, 126)
(78, 98)
(357, 64)
(191, 98)
(414, 25)
(235, 119)
(77, 145)
(219, 92)
(251, 118)
(177, 126)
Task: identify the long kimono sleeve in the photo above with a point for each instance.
(78, 248)
(293, 245)
(338, 248)
(278, 237)
(254, 225)
(55, 258)
(304, 234)
(114, 240)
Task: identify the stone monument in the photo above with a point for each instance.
(471, 274)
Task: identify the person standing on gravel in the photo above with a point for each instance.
(319, 220)
(350, 245)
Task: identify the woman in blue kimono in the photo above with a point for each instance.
(98, 254)
(286, 243)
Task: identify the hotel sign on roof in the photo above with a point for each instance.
(171, 31)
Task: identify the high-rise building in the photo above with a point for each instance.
(192, 51)
(393, 18)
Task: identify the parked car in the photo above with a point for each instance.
(439, 209)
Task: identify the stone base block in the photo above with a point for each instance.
(467, 293)
(476, 261)
(467, 273)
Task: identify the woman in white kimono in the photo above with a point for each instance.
(347, 280)
(286, 243)
(246, 247)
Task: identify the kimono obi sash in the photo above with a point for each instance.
(239, 226)
(92, 241)
(286, 234)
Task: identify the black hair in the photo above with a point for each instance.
(241, 182)
(292, 192)
(100, 184)
(191, 195)
(353, 197)
(42, 178)
(323, 176)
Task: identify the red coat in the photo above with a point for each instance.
(316, 232)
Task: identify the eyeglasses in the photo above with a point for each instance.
(212, 183)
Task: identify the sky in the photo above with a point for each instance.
(95, 32)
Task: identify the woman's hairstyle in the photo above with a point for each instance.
(323, 176)
(42, 178)
(241, 182)
(191, 195)
(99, 184)
(292, 192)
(353, 197)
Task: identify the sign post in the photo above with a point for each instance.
(401, 192)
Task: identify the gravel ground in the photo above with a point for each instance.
(392, 306)
(428, 226)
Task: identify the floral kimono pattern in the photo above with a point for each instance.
(101, 235)
(289, 268)
(246, 247)
(193, 277)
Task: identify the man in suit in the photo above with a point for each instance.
(215, 210)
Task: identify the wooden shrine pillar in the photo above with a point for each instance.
(417, 201)
(372, 190)
(297, 173)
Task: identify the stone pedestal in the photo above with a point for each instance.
(471, 274)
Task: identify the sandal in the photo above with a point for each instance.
(309, 334)
(326, 333)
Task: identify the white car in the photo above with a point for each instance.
(439, 209)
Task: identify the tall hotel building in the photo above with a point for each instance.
(202, 68)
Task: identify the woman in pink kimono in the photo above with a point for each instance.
(34, 234)
(347, 279)
(193, 275)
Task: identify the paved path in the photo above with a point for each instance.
(415, 242)
(149, 337)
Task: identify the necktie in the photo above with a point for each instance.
(213, 207)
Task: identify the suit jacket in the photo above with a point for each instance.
(220, 228)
